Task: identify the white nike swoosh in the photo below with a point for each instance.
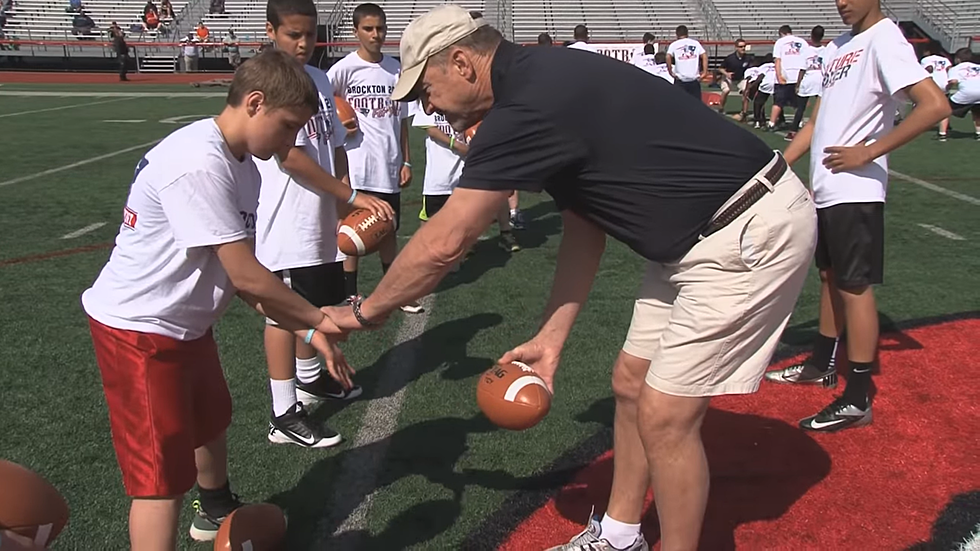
(818, 425)
(310, 441)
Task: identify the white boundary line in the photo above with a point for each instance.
(82, 231)
(79, 163)
(72, 106)
(356, 482)
(913, 180)
(942, 232)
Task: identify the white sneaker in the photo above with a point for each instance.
(591, 539)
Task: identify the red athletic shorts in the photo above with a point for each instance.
(166, 398)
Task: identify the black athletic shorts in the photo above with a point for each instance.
(851, 243)
(692, 87)
(321, 285)
(960, 110)
(785, 95)
(393, 199)
(431, 204)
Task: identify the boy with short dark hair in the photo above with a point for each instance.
(866, 72)
(964, 78)
(378, 153)
(183, 251)
(789, 55)
(687, 61)
(303, 194)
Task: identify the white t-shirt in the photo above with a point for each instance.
(967, 77)
(442, 165)
(862, 75)
(768, 85)
(580, 45)
(813, 79)
(938, 65)
(297, 225)
(687, 56)
(189, 193)
(791, 51)
(374, 152)
(650, 65)
(751, 74)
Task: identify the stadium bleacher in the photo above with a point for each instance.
(245, 17)
(607, 20)
(761, 19)
(48, 20)
(399, 12)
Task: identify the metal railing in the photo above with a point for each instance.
(939, 20)
(715, 26)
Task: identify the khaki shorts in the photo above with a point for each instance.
(709, 322)
(726, 85)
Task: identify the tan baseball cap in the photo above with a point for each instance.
(426, 36)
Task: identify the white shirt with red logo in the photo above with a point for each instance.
(297, 225)
(791, 51)
(813, 78)
(936, 66)
(768, 84)
(967, 78)
(163, 277)
(863, 76)
(374, 152)
(687, 58)
(442, 165)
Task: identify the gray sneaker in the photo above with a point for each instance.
(590, 540)
(804, 374)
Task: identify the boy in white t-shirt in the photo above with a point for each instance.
(937, 66)
(765, 82)
(654, 63)
(444, 152)
(866, 72)
(183, 251)
(790, 56)
(378, 153)
(687, 62)
(964, 78)
(811, 82)
(302, 196)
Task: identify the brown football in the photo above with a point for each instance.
(361, 232)
(471, 131)
(346, 113)
(254, 527)
(512, 396)
(29, 505)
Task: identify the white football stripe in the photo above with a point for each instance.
(42, 534)
(520, 383)
(358, 242)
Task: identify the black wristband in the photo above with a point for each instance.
(356, 307)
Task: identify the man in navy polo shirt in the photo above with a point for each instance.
(624, 154)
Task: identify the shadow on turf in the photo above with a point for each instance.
(760, 467)
(542, 223)
(441, 346)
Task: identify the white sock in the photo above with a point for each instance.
(619, 534)
(977, 130)
(513, 212)
(308, 370)
(283, 395)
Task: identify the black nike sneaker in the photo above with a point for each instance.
(325, 388)
(804, 373)
(840, 414)
(295, 427)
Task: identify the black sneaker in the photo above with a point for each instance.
(508, 242)
(840, 414)
(205, 526)
(517, 220)
(324, 388)
(294, 427)
(804, 373)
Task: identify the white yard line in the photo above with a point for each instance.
(944, 233)
(77, 164)
(123, 121)
(63, 107)
(357, 480)
(82, 231)
(938, 189)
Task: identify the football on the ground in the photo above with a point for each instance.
(361, 232)
(254, 527)
(513, 396)
(346, 113)
(29, 505)
(471, 131)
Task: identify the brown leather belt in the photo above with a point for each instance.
(748, 198)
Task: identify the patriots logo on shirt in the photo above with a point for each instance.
(971, 72)
(794, 48)
(688, 52)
